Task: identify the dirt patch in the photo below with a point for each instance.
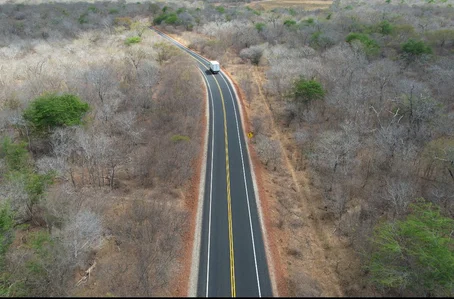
(305, 4)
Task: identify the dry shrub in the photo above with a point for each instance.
(149, 235)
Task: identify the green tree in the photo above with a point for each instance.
(6, 238)
(305, 91)
(53, 110)
(6, 230)
(172, 19)
(259, 26)
(220, 9)
(371, 47)
(45, 269)
(15, 154)
(168, 18)
(385, 27)
(413, 49)
(415, 254)
(289, 23)
(133, 40)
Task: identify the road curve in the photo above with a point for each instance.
(232, 252)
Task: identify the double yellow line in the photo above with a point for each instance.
(229, 201)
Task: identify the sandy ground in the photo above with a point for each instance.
(306, 4)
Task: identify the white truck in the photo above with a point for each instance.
(214, 67)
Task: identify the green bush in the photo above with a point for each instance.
(309, 21)
(289, 23)
(416, 253)
(6, 230)
(93, 9)
(385, 27)
(83, 18)
(371, 47)
(259, 26)
(305, 91)
(170, 19)
(416, 48)
(35, 184)
(15, 154)
(220, 9)
(176, 138)
(158, 20)
(6, 239)
(113, 11)
(133, 40)
(53, 110)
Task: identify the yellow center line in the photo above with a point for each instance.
(229, 201)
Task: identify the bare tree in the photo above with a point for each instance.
(399, 193)
(153, 253)
(136, 55)
(101, 80)
(269, 150)
(253, 53)
(82, 233)
(382, 73)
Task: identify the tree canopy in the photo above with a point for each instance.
(306, 91)
(52, 110)
(416, 253)
(413, 48)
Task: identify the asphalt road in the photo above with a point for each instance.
(232, 253)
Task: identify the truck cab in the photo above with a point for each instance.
(214, 67)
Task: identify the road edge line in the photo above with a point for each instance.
(193, 279)
(256, 191)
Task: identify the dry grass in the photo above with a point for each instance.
(306, 4)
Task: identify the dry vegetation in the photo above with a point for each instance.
(99, 208)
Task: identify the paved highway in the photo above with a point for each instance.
(232, 253)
